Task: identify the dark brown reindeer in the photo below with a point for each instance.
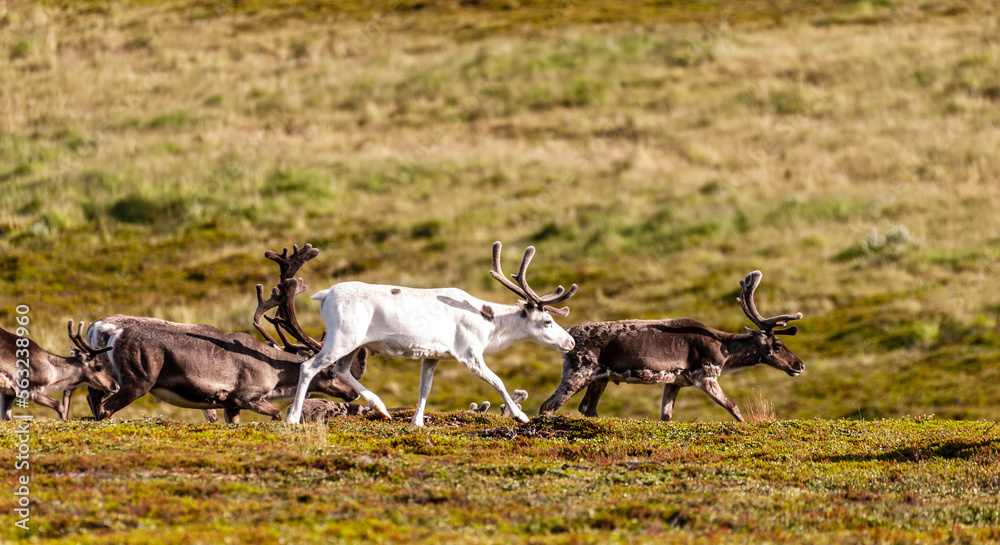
(198, 366)
(48, 372)
(675, 353)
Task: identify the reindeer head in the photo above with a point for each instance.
(774, 351)
(94, 372)
(327, 382)
(537, 310)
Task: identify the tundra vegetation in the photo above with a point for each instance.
(481, 478)
(150, 152)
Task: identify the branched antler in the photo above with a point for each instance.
(283, 298)
(523, 290)
(748, 287)
(81, 343)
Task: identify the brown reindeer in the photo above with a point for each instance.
(198, 366)
(675, 353)
(48, 372)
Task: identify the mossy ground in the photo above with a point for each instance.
(482, 479)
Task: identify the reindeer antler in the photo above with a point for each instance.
(523, 290)
(82, 344)
(290, 265)
(748, 287)
(283, 298)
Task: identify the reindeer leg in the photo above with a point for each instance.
(311, 367)
(39, 398)
(232, 416)
(64, 406)
(714, 391)
(588, 405)
(343, 369)
(476, 364)
(576, 374)
(6, 406)
(261, 406)
(426, 378)
(566, 389)
(123, 398)
(667, 401)
(210, 415)
(94, 398)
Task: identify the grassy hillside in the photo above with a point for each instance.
(473, 479)
(151, 152)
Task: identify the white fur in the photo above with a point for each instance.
(425, 324)
(104, 334)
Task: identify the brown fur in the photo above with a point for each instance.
(675, 353)
(48, 373)
(205, 367)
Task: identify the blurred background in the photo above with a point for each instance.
(653, 152)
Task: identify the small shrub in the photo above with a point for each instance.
(176, 118)
(890, 245)
(140, 42)
(214, 101)
(24, 168)
(300, 48)
(427, 229)
(20, 50)
(789, 101)
(141, 210)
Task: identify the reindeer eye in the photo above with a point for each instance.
(778, 345)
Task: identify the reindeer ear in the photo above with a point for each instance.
(787, 331)
(755, 333)
(519, 396)
(562, 312)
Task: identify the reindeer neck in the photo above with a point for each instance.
(64, 373)
(287, 365)
(742, 352)
(509, 327)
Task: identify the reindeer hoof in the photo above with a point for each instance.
(380, 409)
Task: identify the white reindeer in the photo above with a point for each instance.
(431, 325)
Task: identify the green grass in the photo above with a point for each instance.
(655, 153)
(481, 479)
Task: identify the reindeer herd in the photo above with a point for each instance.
(200, 367)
